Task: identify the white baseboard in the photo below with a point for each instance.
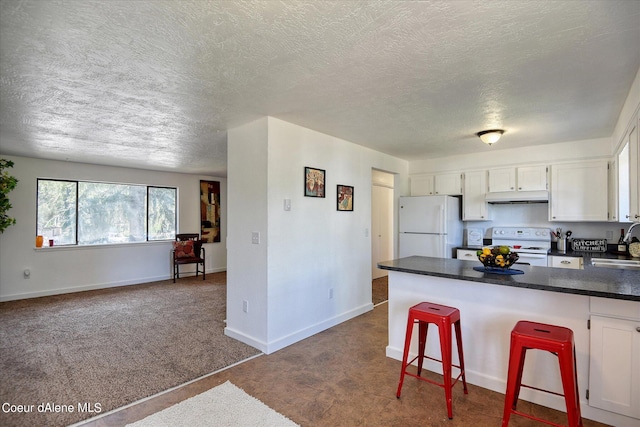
(282, 342)
(93, 287)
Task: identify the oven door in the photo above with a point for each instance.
(539, 260)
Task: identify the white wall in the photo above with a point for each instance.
(536, 215)
(76, 268)
(246, 262)
(310, 249)
(631, 106)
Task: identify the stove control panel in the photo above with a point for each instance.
(519, 233)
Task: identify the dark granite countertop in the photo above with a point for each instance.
(592, 281)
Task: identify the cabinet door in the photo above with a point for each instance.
(474, 206)
(614, 369)
(575, 263)
(448, 184)
(422, 185)
(579, 192)
(532, 178)
(503, 179)
(466, 255)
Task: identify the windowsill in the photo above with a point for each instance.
(104, 246)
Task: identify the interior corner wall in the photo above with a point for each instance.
(76, 268)
(319, 258)
(247, 261)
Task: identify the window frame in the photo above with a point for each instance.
(76, 244)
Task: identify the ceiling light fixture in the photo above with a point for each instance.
(490, 136)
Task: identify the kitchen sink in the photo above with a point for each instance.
(629, 264)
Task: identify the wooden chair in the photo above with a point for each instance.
(187, 249)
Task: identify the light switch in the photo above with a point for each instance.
(255, 238)
(287, 204)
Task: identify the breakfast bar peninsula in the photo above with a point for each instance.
(600, 305)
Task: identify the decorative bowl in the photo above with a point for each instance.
(497, 257)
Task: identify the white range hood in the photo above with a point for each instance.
(518, 197)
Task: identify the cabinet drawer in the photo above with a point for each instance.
(469, 255)
(575, 263)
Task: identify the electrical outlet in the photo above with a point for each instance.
(255, 238)
(609, 236)
(245, 306)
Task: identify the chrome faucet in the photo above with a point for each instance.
(628, 235)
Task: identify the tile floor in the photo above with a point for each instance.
(341, 377)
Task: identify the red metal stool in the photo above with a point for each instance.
(443, 316)
(557, 340)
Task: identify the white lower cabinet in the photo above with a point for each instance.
(468, 255)
(575, 263)
(614, 370)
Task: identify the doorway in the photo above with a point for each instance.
(381, 221)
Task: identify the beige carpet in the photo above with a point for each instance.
(223, 406)
(100, 350)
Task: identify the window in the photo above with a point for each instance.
(94, 213)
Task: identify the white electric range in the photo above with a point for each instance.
(531, 243)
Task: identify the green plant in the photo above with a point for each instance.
(7, 183)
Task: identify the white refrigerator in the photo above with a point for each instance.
(430, 226)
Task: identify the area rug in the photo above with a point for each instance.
(224, 405)
(75, 356)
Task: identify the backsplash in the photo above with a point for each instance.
(537, 214)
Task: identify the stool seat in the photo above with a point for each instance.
(558, 340)
(444, 317)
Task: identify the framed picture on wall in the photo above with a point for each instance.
(314, 180)
(210, 211)
(345, 198)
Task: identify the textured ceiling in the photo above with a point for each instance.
(155, 84)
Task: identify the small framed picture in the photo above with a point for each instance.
(314, 180)
(345, 198)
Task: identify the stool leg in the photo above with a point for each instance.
(461, 355)
(445, 349)
(405, 355)
(514, 379)
(423, 328)
(570, 385)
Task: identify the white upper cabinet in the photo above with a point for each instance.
(446, 184)
(422, 185)
(449, 184)
(474, 205)
(524, 178)
(579, 191)
(532, 178)
(503, 179)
